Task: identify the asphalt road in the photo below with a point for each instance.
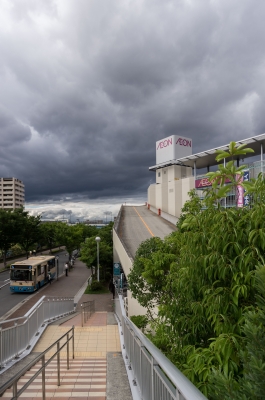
(10, 300)
(139, 224)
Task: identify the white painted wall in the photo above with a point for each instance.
(171, 191)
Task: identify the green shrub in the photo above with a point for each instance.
(96, 286)
(140, 321)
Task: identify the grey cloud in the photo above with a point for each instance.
(11, 130)
(101, 82)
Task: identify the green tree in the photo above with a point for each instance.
(89, 255)
(71, 237)
(48, 234)
(148, 277)
(28, 227)
(8, 231)
(208, 286)
(251, 385)
(227, 176)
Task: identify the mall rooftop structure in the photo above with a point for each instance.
(178, 171)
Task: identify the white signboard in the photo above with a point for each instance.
(172, 148)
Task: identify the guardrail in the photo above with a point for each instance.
(17, 335)
(154, 374)
(116, 227)
(41, 357)
(88, 308)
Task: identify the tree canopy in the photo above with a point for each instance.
(89, 251)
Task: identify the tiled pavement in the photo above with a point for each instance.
(86, 378)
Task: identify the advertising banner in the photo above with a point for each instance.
(240, 192)
(246, 177)
(116, 269)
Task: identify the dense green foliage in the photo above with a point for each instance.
(17, 227)
(199, 289)
(140, 321)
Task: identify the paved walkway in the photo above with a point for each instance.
(97, 351)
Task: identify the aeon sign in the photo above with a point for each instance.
(172, 148)
(183, 142)
(164, 143)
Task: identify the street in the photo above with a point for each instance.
(9, 300)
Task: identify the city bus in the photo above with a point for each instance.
(31, 274)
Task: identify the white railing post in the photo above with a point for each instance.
(16, 335)
(1, 347)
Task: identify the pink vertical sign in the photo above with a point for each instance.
(240, 192)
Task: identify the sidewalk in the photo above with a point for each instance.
(97, 349)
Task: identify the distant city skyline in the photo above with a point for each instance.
(87, 210)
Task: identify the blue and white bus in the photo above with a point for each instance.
(31, 274)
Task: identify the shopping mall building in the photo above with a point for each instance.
(178, 171)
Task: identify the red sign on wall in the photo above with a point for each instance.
(204, 182)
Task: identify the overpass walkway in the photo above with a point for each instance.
(137, 224)
(98, 370)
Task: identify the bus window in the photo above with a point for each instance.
(20, 275)
(51, 263)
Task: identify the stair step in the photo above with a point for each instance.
(86, 379)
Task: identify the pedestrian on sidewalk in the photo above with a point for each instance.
(66, 269)
(112, 288)
(49, 278)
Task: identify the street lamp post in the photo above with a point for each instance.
(98, 240)
(57, 262)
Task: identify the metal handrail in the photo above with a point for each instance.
(160, 374)
(14, 381)
(88, 308)
(19, 334)
(43, 299)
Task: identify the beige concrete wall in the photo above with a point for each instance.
(171, 198)
(158, 176)
(187, 185)
(164, 197)
(151, 195)
(120, 253)
(169, 217)
(158, 203)
(171, 191)
(178, 197)
(133, 307)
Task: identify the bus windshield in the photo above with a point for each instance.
(20, 275)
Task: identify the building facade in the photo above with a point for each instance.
(175, 177)
(12, 193)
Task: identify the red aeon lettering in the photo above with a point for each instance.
(164, 143)
(184, 142)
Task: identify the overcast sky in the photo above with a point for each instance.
(88, 86)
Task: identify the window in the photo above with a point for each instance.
(158, 174)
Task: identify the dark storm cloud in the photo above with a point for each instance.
(85, 91)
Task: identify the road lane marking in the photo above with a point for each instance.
(145, 224)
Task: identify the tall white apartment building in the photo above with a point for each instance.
(12, 193)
